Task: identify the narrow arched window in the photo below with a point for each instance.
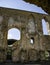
(45, 27)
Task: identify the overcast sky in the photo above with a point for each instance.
(21, 5)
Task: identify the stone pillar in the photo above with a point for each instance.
(24, 54)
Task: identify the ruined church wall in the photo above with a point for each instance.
(30, 26)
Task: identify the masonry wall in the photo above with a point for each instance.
(30, 26)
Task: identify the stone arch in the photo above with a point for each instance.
(31, 16)
(45, 18)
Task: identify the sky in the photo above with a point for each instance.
(14, 33)
(21, 5)
(44, 27)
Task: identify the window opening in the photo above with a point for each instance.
(32, 40)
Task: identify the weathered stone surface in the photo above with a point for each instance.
(30, 26)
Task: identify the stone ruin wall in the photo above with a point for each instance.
(30, 26)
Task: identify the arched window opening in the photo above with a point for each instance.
(32, 40)
(13, 35)
(45, 27)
